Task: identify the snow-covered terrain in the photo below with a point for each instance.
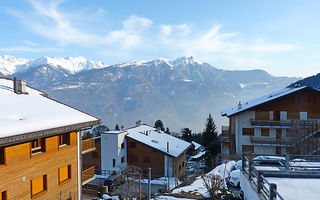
(10, 65)
(181, 92)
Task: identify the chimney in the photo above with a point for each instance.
(122, 128)
(159, 129)
(138, 123)
(22, 86)
(15, 85)
(239, 105)
(19, 86)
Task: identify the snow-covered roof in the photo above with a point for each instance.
(196, 145)
(27, 113)
(148, 135)
(261, 100)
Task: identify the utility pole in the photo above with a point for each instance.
(149, 183)
(139, 188)
(168, 188)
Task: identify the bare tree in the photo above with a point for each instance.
(213, 184)
(126, 184)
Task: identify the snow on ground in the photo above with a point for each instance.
(198, 187)
(297, 188)
(170, 198)
(163, 181)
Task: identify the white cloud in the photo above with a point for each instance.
(48, 21)
(138, 35)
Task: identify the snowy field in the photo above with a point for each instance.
(297, 188)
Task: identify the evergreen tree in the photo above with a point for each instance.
(187, 134)
(211, 142)
(117, 127)
(159, 123)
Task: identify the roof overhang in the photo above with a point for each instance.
(16, 139)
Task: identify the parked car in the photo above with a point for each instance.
(234, 178)
(272, 161)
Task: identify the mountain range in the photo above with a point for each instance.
(181, 92)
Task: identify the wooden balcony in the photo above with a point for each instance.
(87, 175)
(285, 123)
(269, 141)
(88, 145)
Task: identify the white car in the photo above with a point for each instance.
(235, 178)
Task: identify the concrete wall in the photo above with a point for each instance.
(111, 149)
(243, 121)
(249, 193)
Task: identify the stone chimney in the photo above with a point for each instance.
(19, 86)
(122, 128)
(159, 129)
(138, 123)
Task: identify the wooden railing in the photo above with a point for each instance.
(87, 174)
(88, 145)
(268, 191)
(286, 123)
(268, 140)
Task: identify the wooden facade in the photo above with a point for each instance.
(268, 126)
(49, 174)
(93, 158)
(144, 156)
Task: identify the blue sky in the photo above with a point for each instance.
(281, 37)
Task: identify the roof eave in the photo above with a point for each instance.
(15, 139)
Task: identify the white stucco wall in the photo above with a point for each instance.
(111, 149)
(243, 121)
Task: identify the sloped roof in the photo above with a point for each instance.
(196, 145)
(34, 112)
(149, 136)
(264, 99)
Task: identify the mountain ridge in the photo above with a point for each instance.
(181, 92)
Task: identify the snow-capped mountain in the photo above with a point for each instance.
(10, 64)
(181, 92)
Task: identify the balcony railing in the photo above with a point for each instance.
(270, 141)
(285, 123)
(87, 175)
(88, 145)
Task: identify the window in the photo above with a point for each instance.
(122, 159)
(248, 131)
(132, 145)
(113, 162)
(64, 139)
(133, 158)
(2, 157)
(122, 146)
(248, 148)
(146, 159)
(64, 173)
(3, 195)
(264, 132)
(37, 146)
(38, 185)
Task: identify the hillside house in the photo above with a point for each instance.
(151, 147)
(286, 121)
(40, 145)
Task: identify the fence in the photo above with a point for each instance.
(267, 190)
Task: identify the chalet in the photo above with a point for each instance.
(151, 147)
(196, 147)
(286, 121)
(40, 145)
